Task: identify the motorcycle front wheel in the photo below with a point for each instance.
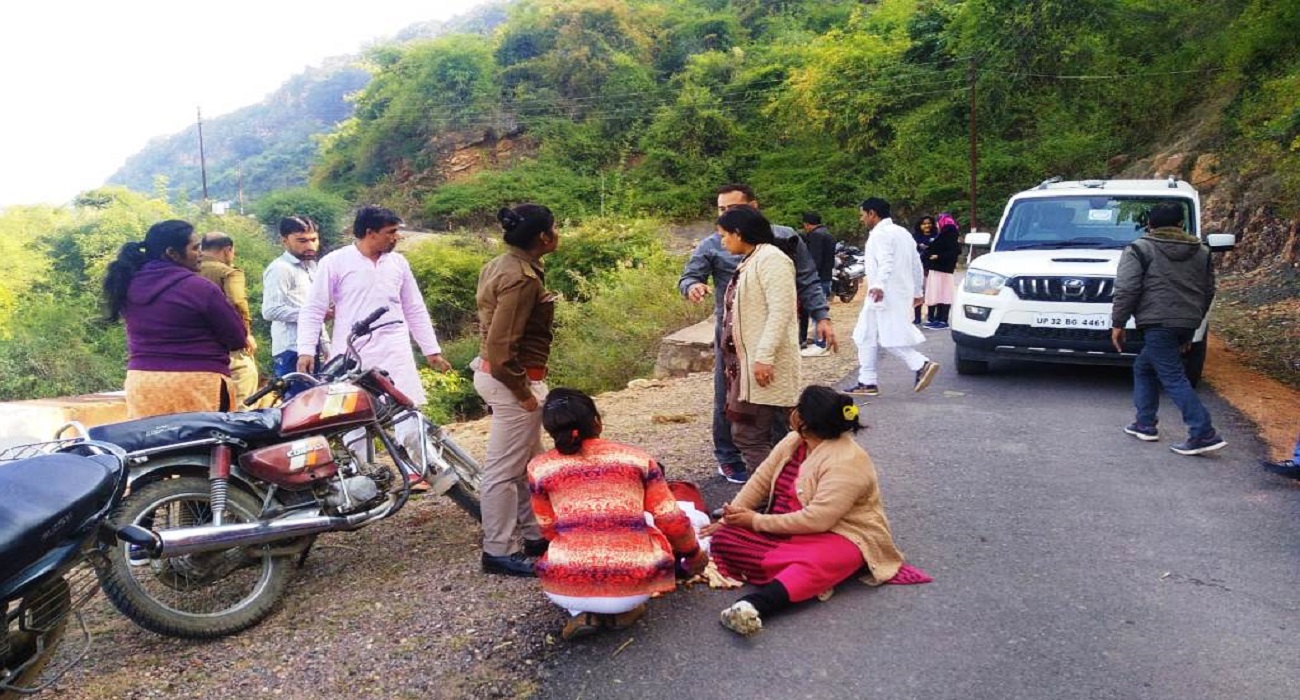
(34, 626)
(195, 596)
(446, 454)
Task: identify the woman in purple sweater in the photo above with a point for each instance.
(180, 328)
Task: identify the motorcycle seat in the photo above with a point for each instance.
(45, 499)
(262, 425)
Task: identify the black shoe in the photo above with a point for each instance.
(535, 548)
(1285, 467)
(509, 565)
(861, 389)
(735, 473)
(1145, 433)
(1196, 446)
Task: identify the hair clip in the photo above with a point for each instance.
(851, 412)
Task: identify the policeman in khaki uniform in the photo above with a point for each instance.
(515, 312)
(218, 256)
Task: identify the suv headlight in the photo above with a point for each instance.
(981, 282)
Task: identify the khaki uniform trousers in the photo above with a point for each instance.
(514, 438)
(243, 375)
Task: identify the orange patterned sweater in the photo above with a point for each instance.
(592, 506)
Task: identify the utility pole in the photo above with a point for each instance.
(203, 164)
(974, 154)
(239, 178)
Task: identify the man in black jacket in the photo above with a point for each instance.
(1166, 282)
(821, 245)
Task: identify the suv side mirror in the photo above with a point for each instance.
(1221, 242)
(979, 239)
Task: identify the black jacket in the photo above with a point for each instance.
(1164, 279)
(822, 247)
(948, 250)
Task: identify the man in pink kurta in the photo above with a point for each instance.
(358, 279)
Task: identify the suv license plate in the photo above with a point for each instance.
(1089, 321)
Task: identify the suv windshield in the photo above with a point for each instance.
(1081, 221)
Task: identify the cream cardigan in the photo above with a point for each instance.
(839, 491)
(765, 325)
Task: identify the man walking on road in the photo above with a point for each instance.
(821, 245)
(895, 279)
(217, 266)
(1166, 283)
(710, 260)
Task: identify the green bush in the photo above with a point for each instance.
(446, 268)
(451, 396)
(614, 337)
(325, 209)
(58, 347)
(596, 248)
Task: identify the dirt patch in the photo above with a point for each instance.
(1271, 405)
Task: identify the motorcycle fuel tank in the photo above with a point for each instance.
(326, 406)
(292, 465)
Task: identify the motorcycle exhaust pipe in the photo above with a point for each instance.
(209, 538)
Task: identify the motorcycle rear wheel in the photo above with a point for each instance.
(849, 290)
(447, 454)
(49, 612)
(197, 596)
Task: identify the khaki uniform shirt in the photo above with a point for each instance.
(232, 283)
(516, 314)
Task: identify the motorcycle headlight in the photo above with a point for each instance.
(981, 282)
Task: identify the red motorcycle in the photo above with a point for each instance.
(220, 504)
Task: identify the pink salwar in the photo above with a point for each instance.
(807, 565)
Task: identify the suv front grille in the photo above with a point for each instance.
(1015, 331)
(1086, 290)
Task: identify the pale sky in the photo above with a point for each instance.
(84, 84)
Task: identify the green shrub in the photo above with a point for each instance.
(596, 248)
(614, 337)
(325, 209)
(58, 347)
(446, 268)
(451, 396)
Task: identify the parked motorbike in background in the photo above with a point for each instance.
(850, 268)
(54, 499)
(222, 503)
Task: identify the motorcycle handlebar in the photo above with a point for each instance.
(362, 327)
(276, 384)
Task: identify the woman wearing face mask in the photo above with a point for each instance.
(180, 328)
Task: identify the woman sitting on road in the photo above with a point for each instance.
(591, 497)
(808, 519)
(180, 328)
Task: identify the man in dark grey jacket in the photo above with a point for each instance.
(1165, 281)
(710, 261)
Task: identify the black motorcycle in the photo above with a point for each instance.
(850, 268)
(54, 498)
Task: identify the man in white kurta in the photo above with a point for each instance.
(358, 279)
(894, 286)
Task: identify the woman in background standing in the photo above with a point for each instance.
(941, 262)
(180, 328)
(924, 233)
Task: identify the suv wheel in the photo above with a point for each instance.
(967, 365)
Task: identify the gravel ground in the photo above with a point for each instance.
(400, 609)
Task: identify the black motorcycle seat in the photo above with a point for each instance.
(44, 499)
(252, 427)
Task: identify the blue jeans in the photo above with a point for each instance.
(283, 364)
(1160, 365)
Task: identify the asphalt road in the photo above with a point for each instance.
(1070, 561)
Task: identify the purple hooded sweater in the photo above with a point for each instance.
(176, 321)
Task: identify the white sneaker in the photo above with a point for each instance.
(815, 351)
(742, 618)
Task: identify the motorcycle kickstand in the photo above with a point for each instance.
(302, 558)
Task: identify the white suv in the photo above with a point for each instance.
(1043, 293)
